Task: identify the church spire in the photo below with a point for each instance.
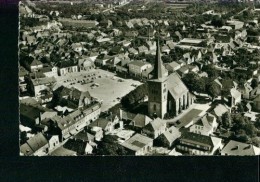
(158, 66)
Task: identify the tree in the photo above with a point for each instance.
(254, 83)
(211, 71)
(194, 82)
(213, 89)
(109, 146)
(217, 21)
(23, 137)
(250, 129)
(226, 120)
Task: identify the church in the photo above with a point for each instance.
(167, 94)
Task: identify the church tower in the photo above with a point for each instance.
(157, 88)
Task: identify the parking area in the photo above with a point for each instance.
(101, 84)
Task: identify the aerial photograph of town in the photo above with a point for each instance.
(139, 77)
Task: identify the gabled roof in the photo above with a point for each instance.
(34, 144)
(197, 139)
(155, 125)
(240, 149)
(140, 120)
(100, 122)
(31, 112)
(220, 109)
(175, 85)
(235, 93)
(137, 142)
(206, 121)
(138, 63)
(172, 134)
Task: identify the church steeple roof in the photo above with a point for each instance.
(159, 71)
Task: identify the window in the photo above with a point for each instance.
(154, 107)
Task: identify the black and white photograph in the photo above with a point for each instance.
(139, 78)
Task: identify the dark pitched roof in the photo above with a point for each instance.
(197, 139)
(159, 70)
(84, 136)
(100, 122)
(31, 112)
(65, 64)
(34, 144)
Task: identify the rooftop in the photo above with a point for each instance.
(137, 142)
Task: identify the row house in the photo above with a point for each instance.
(73, 123)
(197, 144)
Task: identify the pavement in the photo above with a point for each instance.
(202, 107)
(108, 87)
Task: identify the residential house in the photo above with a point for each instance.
(235, 24)
(39, 84)
(142, 49)
(173, 66)
(138, 144)
(168, 138)
(66, 67)
(97, 132)
(219, 110)
(31, 115)
(22, 83)
(235, 97)
(140, 121)
(79, 146)
(35, 146)
(107, 125)
(154, 128)
(132, 51)
(49, 71)
(53, 143)
(256, 103)
(36, 65)
(255, 92)
(205, 125)
(85, 64)
(73, 123)
(102, 60)
(235, 148)
(196, 144)
(122, 66)
(61, 151)
(136, 68)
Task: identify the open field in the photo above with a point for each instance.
(101, 84)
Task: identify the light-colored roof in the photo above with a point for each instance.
(63, 152)
(173, 65)
(220, 110)
(191, 41)
(43, 81)
(240, 149)
(138, 63)
(141, 120)
(175, 86)
(137, 142)
(235, 93)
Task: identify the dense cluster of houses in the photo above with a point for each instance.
(75, 125)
